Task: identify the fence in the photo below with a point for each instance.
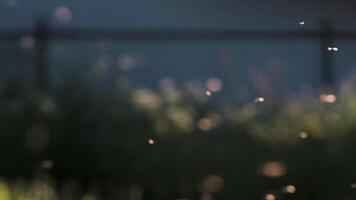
(43, 35)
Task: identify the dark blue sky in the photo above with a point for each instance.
(240, 63)
(274, 14)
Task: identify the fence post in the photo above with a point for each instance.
(327, 71)
(41, 68)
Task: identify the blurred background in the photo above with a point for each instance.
(177, 100)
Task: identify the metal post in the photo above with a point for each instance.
(327, 71)
(41, 35)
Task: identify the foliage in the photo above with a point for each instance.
(82, 143)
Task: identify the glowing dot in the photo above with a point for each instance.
(11, 3)
(328, 98)
(207, 196)
(333, 49)
(301, 22)
(213, 183)
(48, 105)
(101, 65)
(270, 197)
(273, 169)
(63, 14)
(47, 164)
(303, 135)
(290, 189)
(259, 100)
(151, 141)
(167, 83)
(353, 186)
(214, 84)
(27, 42)
(205, 124)
(208, 93)
(126, 62)
(146, 99)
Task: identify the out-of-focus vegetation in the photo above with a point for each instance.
(77, 142)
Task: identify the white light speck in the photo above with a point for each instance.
(327, 98)
(151, 141)
(259, 100)
(303, 135)
(301, 22)
(333, 49)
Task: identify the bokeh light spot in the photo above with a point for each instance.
(214, 84)
(207, 196)
(47, 164)
(328, 98)
(270, 197)
(27, 42)
(11, 3)
(259, 100)
(303, 135)
(213, 183)
(126, 62)
(205, 124)
(63, 14)
(273, 169)
(151, 141)
(290, 189)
